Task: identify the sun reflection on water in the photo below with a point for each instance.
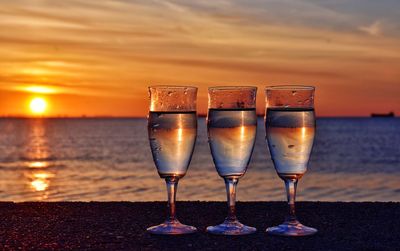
(41, 181)
(38, 164)
(38, 153)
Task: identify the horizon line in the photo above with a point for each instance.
(144, 117)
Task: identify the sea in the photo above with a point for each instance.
(96, 159)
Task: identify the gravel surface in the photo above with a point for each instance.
(121, 226)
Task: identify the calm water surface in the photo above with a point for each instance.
(354, 159)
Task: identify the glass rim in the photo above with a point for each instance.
(291, 87)
(172, 87)
(232, 87)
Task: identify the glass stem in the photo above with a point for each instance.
(231, 184)
(172, 186)
(291, 186)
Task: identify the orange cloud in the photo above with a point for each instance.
(97, 58)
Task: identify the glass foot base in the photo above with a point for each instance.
(231, 228)
(291, 229)
(172, 228)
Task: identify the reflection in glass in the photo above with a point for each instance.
(232, 126)
(172, 131)
(290, 130)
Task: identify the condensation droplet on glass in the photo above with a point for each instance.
(169, 93)
(156, 125)
(294, 93)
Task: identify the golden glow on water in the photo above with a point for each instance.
(41, 175)
(41, 181)
(37, 164)
(86, 180)
(38, 176)
(39, 185)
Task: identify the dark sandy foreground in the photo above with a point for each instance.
(121, 225)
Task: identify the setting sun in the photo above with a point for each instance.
(38, 105)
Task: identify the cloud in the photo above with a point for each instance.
(117, 47)
(375, 29)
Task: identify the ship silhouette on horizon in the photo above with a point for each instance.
(382, 115)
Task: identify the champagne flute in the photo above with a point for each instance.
(290, 130)
(172, 130)
(231, 124)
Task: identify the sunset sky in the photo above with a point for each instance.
(96, 58)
